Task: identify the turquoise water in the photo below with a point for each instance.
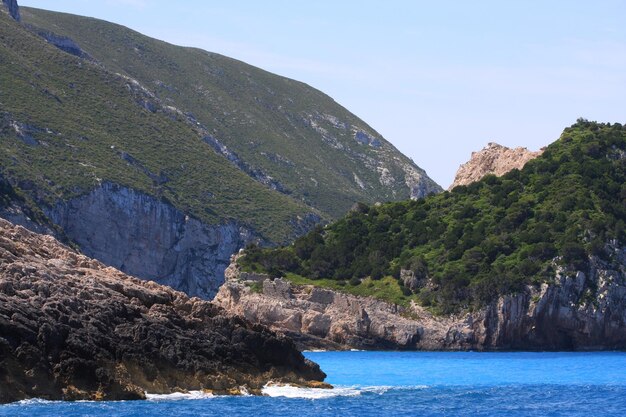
(406, 384)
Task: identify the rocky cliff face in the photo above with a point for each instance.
(72, 328)
(492, 159)
(13, 8)
(150, 238)
(577, 311)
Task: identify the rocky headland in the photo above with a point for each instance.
(72, 328)
(492, 159)
(575, 311)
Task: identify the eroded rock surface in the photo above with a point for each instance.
(575, 312)
(492, 159)
(72, 328)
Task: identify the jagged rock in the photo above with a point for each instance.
(13, 8)
(492, 159)
(150, 238)
(576, 312)
(72, 328)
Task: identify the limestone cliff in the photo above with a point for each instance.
(492, 159)
(150, 239)
(72, 328)
(576, 311)
(12, 8)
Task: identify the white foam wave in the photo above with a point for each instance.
(191, 395)
(271, 390)
(289, 391)
(31, 401)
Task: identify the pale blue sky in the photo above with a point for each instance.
(439, 79)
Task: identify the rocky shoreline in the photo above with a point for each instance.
(72, 328)
(575, 312)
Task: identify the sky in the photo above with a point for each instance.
(438, 79)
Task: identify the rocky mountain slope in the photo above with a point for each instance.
(281, 132)
(72, 328)
(492, 159)
(532, 259)
(130, 144)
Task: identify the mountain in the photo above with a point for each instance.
(492, 159)
(72, 328)
(162, 160)
(535, 259)
(281, 132)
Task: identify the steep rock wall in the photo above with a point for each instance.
(566, 315)
(13, 8)
(572, 313)
(151, 239)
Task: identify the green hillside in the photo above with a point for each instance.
(67, 125)
(279, 131)
(493, 237)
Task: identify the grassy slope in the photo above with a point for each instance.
(83, 117)
(255, 113)
(489, 238)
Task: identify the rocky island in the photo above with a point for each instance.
(72, 328)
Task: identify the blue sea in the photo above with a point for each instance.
(404, 384)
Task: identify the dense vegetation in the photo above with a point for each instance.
(478, 241)
(296, 135)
